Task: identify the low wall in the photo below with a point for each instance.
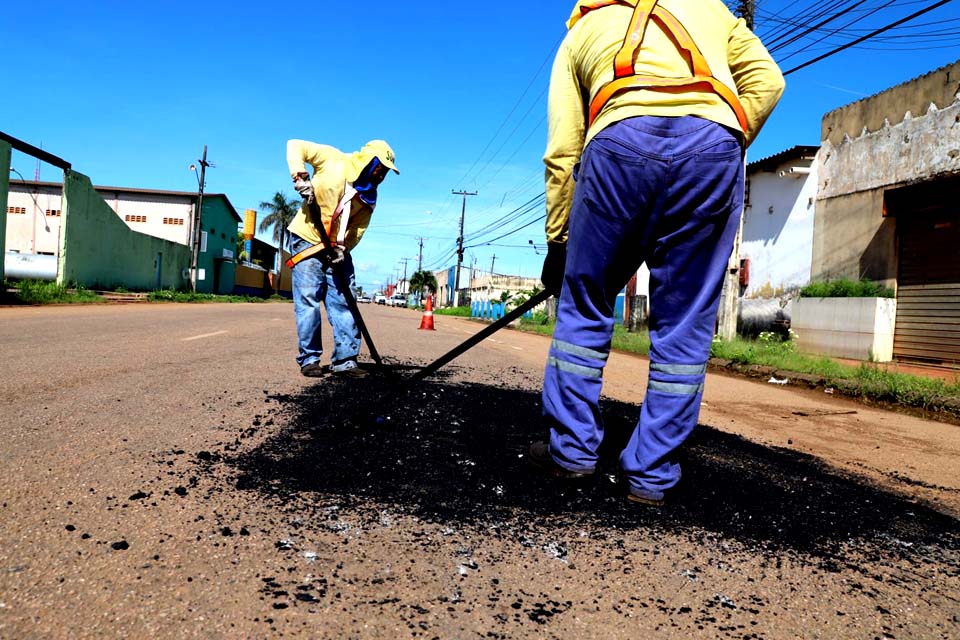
(98, 250)
(856, 328)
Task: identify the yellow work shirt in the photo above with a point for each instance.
(333, 173)
(585, 63)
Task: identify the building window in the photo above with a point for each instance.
(178, 221)
(55, 213)
(746, 193)
(130, 218)
(16, 209)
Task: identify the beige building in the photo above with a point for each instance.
(887, 206)
(485, 287)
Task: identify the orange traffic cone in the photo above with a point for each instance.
(427, 321)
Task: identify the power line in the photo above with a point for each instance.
(852, 43)
(533, 79)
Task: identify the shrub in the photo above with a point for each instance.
(846, 289)
(42, 292)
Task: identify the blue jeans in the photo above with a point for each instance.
(314, 282)
(668, 192)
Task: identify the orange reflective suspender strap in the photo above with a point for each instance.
(698, 64)
(299, 257)
(626, 58)
(625, 78)
(293, 260)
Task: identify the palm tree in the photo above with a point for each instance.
(241, 247)
(421, 280)
(280, 214)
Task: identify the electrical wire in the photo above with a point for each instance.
(46, 225)
(857, 41)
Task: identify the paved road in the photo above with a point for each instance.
(103, 405)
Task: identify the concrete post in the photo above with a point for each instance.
(4, 190)
(637, 321)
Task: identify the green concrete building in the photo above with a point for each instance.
(108, 237)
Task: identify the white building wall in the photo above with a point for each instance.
(484, 287)
(161, 216)
(37, 231)
(33, 220)
(778, 228)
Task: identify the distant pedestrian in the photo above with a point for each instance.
(651, 107)
(344, 187)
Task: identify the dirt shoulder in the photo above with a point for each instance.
(942, 409)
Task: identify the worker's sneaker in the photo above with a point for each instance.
(312, 370)
(541, 460)
(348, 368)
(646, 496)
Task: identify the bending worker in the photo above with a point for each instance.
(344, 186)
(651, 107)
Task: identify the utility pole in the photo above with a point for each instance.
(730, 295)
(420, 257)
(405, 275)
(463, 214)
(493, 261)
(746, 9)
(201, 181)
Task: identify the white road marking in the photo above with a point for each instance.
(517, 348)
(204, 335)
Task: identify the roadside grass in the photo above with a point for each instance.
(461, 312)
(780, 355)
(623, 340)
(872, 381)
(171, 295)
(43, 292)
(876, 382)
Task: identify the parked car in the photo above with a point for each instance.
(380, 298)
(397, 300)
(363, 299)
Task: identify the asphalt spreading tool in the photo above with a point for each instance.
(464, 346)
(477, 338)
(343, 285)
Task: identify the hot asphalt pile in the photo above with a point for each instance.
(431, 522)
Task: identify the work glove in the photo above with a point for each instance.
(301, 182)
(336, 254)
(553, 267)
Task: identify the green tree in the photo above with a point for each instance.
(422, 280)
(280, 213)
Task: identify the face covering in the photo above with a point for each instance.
(366, 184)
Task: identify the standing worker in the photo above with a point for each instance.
(344, 187)
(651, 107)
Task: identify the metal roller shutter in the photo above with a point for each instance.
(928, 290)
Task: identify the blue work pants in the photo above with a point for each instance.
(668, 192)
(315, 281)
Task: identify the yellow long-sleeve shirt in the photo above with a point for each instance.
(585, 63)
(333, 173)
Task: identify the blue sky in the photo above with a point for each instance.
(129, 93)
